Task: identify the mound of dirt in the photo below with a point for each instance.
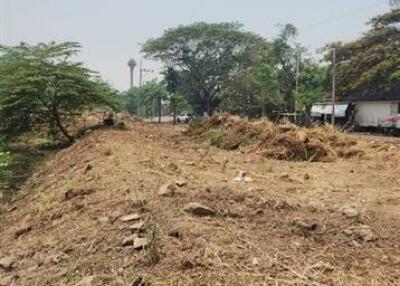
(282, 142)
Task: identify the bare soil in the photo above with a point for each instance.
(285, 223)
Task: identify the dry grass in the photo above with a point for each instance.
(253, 238)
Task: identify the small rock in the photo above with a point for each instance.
(7, 263)
(104, 219)
(24, 228)
(89, 281)
(130, 217)
(362, 232)
(141, 242)
(350, 212)
(242, 176)
(198, 209)
(137, 226)
(128, 241)
(167, 190)
(254, 261)
(307, 177)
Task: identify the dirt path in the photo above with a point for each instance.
(289, 224)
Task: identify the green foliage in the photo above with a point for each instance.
(205, 59)
(314, 81)
(42, 85)
(143, 100)
(371, 62)
(216, 136)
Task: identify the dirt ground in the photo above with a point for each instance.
(277, 223)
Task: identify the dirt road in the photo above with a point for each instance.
(277, 223)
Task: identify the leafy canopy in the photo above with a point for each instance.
(42, 84)
(207, 57)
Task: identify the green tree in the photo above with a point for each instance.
(372, 61)
(42, 85)
(143, 100)
(314, 82)
(284, 55)
(207, 58)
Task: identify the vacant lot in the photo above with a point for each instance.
(260, 221)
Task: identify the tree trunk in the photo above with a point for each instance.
(159, 109)
(60, 126)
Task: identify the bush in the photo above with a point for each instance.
(216, 136)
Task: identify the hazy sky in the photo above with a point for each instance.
(111, 30)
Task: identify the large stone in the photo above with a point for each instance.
(141, 242)
(22, 229)
(242, 176)
(7, 263)
(350, 212)
(137, 226)
(130, 217)
(198, 209)
(167, 190)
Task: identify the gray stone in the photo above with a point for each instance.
(141, 242)
(350, 212)
(167, 190)
(198, 209)
(130, 217)
(7, 263)
(137, 226)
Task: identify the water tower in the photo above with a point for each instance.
(132, 64)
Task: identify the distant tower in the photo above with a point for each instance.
(132, 64)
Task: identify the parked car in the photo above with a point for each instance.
(184, 118)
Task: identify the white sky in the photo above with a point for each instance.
(111, 30)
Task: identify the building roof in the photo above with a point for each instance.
(319, 109)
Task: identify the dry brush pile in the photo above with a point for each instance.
(279, 141)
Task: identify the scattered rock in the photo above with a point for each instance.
(167, 190)
(254, 261)
(24, 228)
(198, 209)
(128, 241)
(242, 176)
(137, 226)
(7, 263)
(72, 193)
(350, 212)
(11, 209)
(323, 267)
(130, 217)
(104, 219)
(362, 232)
(307, 177)
(141, 242)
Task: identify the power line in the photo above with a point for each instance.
(334, 19)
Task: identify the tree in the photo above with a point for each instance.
(284, 56)
(372, 62)
(42, 84)
(141, 100)
(314, 82)
(206, 57)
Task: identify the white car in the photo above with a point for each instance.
(184, 118)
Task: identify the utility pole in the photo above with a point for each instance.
(297, 85)
(143, 70)
(333, 85)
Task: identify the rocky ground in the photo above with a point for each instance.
(148, 206)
